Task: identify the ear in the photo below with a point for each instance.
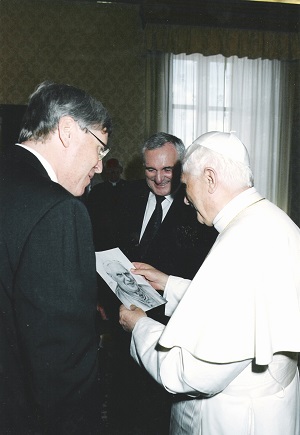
(66, 126)
(211, 179)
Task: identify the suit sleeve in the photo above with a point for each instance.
(55, 294)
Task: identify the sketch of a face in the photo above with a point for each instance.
(122, 276)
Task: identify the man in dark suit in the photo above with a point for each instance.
(179, 245)
(48, 292)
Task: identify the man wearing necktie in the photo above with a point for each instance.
(178, 242)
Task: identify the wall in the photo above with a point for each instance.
(294, 187)
(84, 44)
(99, 47)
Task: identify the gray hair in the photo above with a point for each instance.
(158, 140)
(233, 174)
(51, 101)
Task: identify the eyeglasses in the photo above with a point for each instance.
(101, 151)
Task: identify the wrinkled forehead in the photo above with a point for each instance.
(183, 177)
(162, 157)
(187, 177)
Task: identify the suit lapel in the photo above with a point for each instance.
(141, 207)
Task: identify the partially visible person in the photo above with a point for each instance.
(112, 172)
(231, 345)
(49, 380)
(103, 204)
(128, 290)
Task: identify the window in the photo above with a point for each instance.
(247, 96)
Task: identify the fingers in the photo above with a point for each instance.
(139, 265)
(141, 271)
(133, 307)
(124, 309)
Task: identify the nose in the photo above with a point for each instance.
(127, 279)
(98, 167)
(158, 177)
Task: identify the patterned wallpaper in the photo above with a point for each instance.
(294, 188)
(98, 47)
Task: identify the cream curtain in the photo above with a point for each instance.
(261, 100)
(196, 93)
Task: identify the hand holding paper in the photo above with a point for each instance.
(157, 279)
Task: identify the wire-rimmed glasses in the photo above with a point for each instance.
(103, 150)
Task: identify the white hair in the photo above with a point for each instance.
(232, 173)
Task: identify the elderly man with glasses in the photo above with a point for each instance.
(48, 291)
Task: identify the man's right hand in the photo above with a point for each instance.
(129, 317)
(155, 277)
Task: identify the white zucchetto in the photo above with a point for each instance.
(225, 143)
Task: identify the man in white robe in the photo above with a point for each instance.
(232, 342)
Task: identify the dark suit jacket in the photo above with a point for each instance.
(48, 291)
(181, 244)
(103, 205)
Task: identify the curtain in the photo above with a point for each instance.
(195, 94)
(217, 40)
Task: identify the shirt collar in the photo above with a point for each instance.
(169, 198)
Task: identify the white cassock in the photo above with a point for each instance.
(231, 343)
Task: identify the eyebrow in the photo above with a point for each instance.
(165, 167)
